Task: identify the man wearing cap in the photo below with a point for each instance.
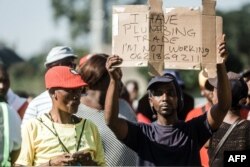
(58, 56)
(167, 141)
(59, 138)
(239, 138)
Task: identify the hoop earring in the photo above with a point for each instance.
(154, 116)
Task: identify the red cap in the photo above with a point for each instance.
(63, 77)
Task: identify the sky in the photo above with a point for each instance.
(27, 25)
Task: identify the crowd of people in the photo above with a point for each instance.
(88, 117)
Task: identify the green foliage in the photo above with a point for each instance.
(77, 13)
(236, 27)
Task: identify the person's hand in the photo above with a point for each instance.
(62, 160)
(84, 158)
(114, 72)
(222, 50)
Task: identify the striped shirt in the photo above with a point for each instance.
(38, 106)
(116, 153)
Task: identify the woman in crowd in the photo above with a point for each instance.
(59, 138)
(92, 107)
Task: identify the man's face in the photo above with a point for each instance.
(67, 100)
(163, 98)
(4, 83)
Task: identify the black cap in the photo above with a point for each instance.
(160, 79)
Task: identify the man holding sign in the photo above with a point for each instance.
(167, 141)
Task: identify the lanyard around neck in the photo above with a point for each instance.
(56, 134)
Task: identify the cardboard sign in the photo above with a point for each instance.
(180, 38)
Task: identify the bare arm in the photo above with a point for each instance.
(219, 110)
(117, 125)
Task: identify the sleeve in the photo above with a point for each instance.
(15, 130)
(201, 128)
(133, 137)
(26, 156)
(99, 158)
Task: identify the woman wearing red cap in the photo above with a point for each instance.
(60, 138)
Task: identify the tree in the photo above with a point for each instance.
(236, 27)
(76, 12)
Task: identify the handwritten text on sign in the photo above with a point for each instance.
(179, 38)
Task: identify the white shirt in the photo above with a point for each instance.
(38, 106)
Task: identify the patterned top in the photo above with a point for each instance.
(238, 140)
(116, 153)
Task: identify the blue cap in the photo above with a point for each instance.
(176, 74)
(160, 79)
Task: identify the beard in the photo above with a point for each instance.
(167, 112)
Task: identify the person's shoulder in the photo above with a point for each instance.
(42, 96)
(245, 123)
(35, 122)
(89, 122)
(87, 112)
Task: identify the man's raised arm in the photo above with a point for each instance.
(219, 110)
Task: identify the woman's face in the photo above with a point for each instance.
(68, 100)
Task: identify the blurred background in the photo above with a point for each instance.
(30, 28)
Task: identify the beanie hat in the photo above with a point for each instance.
(59, 53)
(63, 77)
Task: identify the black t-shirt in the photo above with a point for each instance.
(173, 145)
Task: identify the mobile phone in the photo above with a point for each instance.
(82, 156)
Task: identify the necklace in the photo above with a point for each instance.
(60, 141)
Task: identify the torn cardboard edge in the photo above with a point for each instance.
(155, 68)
